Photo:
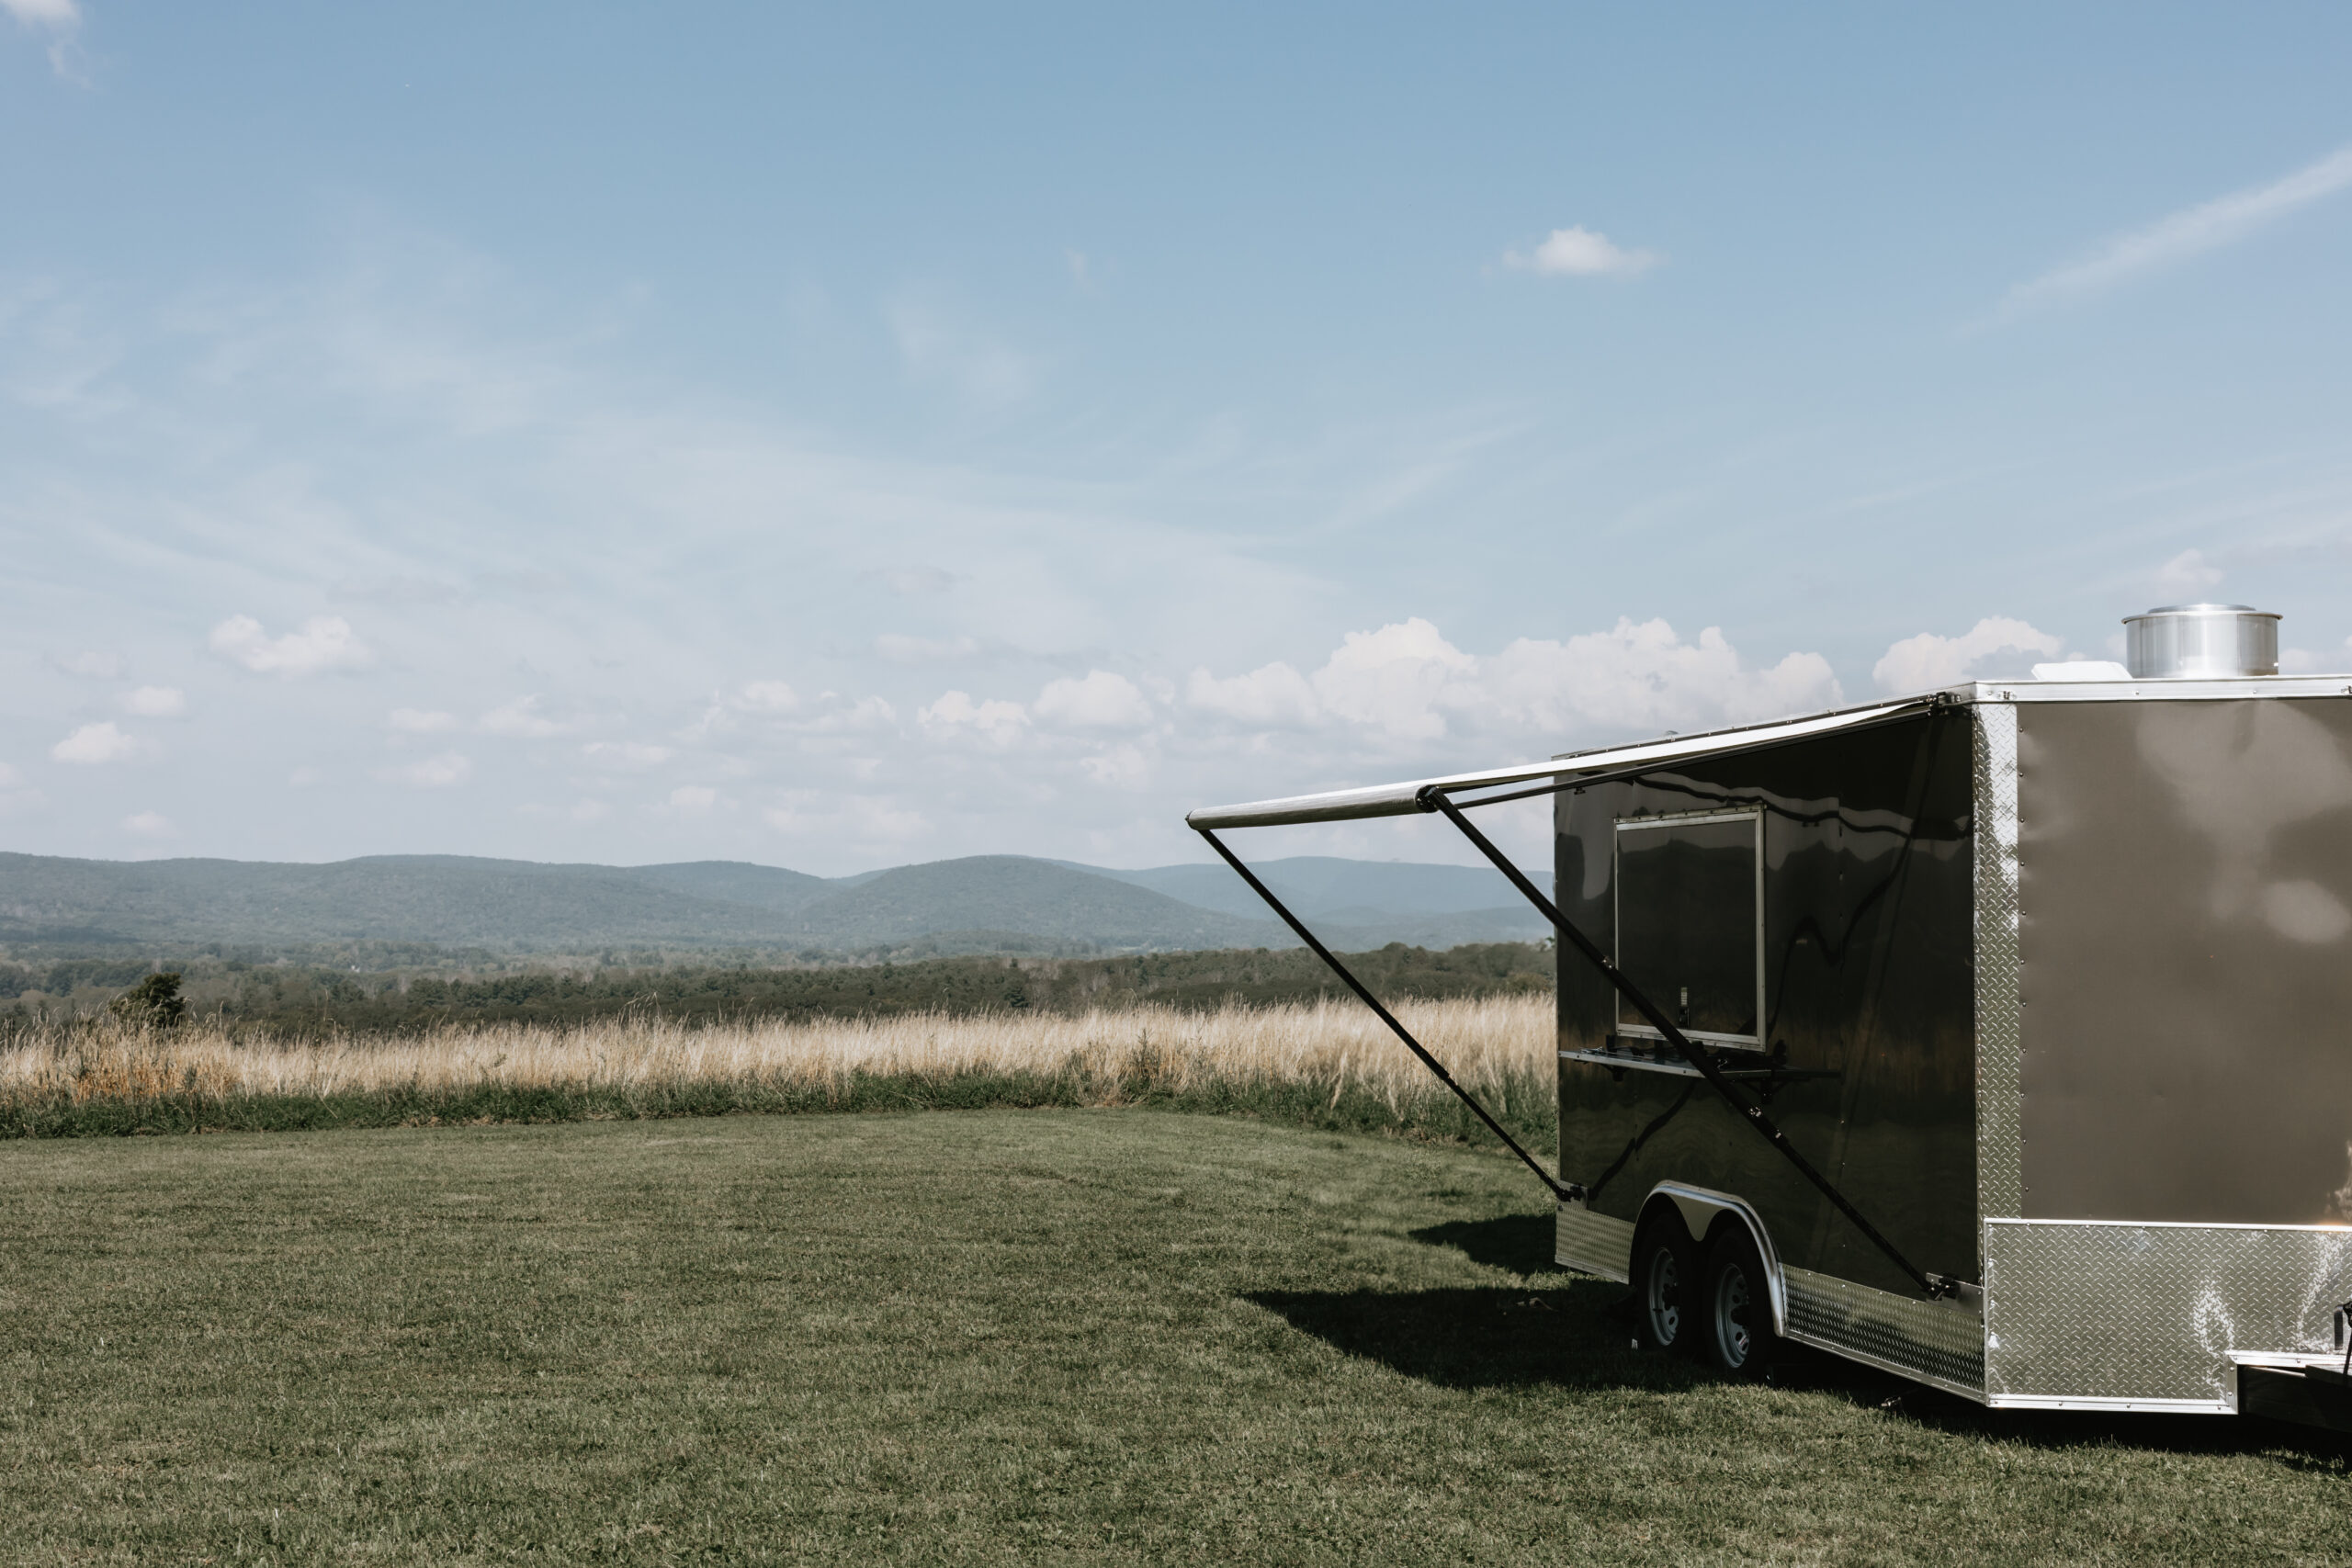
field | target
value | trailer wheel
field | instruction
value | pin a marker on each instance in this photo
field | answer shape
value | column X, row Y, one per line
column 1665, row 1286
column 1739, row 1339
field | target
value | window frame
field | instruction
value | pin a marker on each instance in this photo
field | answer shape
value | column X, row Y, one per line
column 1638, row 1030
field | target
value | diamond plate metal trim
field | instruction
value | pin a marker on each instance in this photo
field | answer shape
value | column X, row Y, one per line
column 1936, row 1342
column 1999, row 1184
column 1592, row 1243
column 2083, row 1310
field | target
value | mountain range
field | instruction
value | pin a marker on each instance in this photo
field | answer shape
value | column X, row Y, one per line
column 979, row 904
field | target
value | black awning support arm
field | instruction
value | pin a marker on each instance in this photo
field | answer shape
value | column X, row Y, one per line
column 1563, row 1190
column 1435, row 799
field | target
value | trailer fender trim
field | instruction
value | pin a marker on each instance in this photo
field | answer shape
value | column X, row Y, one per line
column 1700, row 1209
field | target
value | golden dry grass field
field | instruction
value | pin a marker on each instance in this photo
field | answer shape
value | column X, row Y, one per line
column 1337, row 1053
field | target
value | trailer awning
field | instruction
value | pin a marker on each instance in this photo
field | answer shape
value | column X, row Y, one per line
column 1403, row 799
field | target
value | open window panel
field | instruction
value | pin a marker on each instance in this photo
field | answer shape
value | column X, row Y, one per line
column 1689, row 895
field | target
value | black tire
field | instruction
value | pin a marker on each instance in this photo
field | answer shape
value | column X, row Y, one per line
column 1734, row 1329
column 1664, row 1277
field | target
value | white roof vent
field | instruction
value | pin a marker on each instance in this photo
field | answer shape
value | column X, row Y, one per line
column 2201, row 642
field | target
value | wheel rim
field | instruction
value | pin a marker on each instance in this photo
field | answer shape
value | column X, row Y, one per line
column 1665, row 1296
column 1732, row 1305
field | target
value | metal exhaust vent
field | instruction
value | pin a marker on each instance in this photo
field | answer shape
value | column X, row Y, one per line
column 2201, row 642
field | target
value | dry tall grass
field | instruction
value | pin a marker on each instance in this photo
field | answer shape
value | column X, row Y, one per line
column 1495, row 1046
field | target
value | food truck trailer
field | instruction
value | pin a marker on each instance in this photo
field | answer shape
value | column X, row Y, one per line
column 1999, row 1037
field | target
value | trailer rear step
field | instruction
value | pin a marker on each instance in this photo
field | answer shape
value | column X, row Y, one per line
column 2308, row 1391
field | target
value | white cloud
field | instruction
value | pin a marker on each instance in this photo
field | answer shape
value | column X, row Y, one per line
column 1581, row 252
column 59, row 19
column 956, row 713
column 1640, row 676
column 765, row 696
column 2190, row 231
column 57, row 16
column 421, row 721
column 522, row 719
column 2186, row 575
column 1121, row 767
column 97, row 743
column 1924, row 662
column 908, row 580
column 1405, row 687
column 901, row 649
column 693, row 799
column 149, row 824
column 304, row 777
column 1391, row 680
column 858, row 820
column 589, row 811
column 625, row 755
column 867, row 716
column 324, row 642
column 155, row 702
column 938, row 349
column 1099, row 701
column 89, row 666
column 1273, row 696
column 441, row 771
column 9, row 777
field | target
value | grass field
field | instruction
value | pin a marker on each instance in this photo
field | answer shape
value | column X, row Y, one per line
column 1082, row 1336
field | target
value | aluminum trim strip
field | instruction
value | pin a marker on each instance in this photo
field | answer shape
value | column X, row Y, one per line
column 2141, row 1406
column 2236, row 689
column 1403, row 799
column 1672, row 1069
column 1999, row 1179
column 2182, row 1225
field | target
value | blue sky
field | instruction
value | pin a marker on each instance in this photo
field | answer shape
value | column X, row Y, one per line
column 837, row 438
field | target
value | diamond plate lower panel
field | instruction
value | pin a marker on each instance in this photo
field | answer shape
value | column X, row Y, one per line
column 2000, row 1188
column 2107, row 1312
column 1593, row 1243
column 1936, row 1342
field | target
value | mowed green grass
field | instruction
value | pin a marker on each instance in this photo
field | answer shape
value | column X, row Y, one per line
column 983, row 1336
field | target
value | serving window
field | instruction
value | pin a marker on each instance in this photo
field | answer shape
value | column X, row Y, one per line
column 1689, row 893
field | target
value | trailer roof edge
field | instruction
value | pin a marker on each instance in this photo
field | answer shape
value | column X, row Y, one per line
column 1402, row 799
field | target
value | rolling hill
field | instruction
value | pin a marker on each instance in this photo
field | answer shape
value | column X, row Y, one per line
column 984, row 903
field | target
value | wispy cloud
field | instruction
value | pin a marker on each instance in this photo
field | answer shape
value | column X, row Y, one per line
column 325, row 642
column 60, row 19
column 2188, row 574
column 95, row 743
column 2191, row 231
column 1581, row 252
column 155, row 702
column 443, row 771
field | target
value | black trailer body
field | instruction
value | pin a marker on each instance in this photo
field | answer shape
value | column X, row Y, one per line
column 2055, row 985
column 2051, row 982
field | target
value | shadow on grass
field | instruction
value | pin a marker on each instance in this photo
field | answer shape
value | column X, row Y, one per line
column 1804, row 1368
column 1576, row 1335
column 1571, row 1336
column 1521, row 1243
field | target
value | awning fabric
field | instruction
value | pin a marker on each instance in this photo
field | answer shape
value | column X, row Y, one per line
column 1401, row 799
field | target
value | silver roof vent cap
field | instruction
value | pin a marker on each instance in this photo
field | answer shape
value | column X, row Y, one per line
column 2200, row 642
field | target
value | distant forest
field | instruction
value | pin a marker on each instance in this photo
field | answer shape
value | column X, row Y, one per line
column 307, row 1001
